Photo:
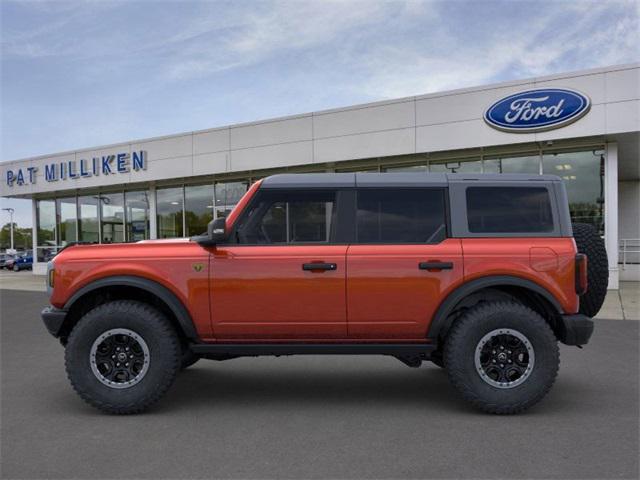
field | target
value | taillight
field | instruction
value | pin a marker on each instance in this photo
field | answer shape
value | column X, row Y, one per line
column 581, row 274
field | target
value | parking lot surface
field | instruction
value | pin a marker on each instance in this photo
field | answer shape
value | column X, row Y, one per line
column 316, row 417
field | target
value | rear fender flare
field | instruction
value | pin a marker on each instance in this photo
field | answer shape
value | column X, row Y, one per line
column 442, row 321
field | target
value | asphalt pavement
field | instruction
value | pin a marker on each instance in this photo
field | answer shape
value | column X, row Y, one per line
column 315, row 417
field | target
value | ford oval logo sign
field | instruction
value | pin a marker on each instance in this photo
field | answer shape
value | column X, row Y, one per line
column 537, row 110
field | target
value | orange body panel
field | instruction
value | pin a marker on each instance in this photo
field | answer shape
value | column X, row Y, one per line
column 168, row 262
column 388, row 296
column 262, row 293
column 548, row 262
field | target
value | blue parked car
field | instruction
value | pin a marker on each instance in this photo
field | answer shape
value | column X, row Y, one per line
column 21, row 262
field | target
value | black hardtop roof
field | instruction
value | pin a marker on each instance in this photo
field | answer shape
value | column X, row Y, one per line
column 404, row 179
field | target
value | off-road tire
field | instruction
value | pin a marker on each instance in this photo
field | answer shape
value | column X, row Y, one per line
column 464, row 337
column 589, row 242
column 16, row 268
column 164, row 356
column 188, row 358
column 437, row 358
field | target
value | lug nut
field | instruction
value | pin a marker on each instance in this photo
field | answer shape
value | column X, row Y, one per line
column 113, row 356
column 117, row 364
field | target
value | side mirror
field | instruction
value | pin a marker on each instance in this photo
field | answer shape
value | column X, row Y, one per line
column 217, row 230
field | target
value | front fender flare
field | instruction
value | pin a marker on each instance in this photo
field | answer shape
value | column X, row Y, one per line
column 163, row 293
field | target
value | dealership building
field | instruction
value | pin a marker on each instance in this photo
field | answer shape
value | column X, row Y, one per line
column 582, row 126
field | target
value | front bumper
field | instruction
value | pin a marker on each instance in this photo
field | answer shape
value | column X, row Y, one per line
column 575, row 329
column 53, row 319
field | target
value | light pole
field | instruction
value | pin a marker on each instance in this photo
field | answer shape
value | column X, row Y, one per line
column 10, row 210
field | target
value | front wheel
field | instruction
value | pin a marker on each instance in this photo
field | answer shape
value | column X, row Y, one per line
column 16, row 268
column 502, row 356
column 122, row 356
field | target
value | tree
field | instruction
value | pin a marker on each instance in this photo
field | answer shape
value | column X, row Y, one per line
column 22, row 237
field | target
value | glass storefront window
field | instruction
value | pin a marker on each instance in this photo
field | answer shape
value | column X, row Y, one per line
column 88, row 220
column 112, row 217
column 407, row 168
column 456, row 166
column 137, row 216
column 67, row 220
column 198, row 208
column 525, row 164
column 46, row 230
column 583, row 175
column 227, row 195
column 169, row 205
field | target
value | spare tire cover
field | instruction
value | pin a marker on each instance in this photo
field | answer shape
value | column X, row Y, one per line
column 589, row 242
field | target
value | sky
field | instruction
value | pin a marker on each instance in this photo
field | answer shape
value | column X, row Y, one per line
column 88, row 73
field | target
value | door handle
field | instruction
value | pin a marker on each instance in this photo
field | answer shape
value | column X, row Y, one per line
column 435, row 265
column 319, row 266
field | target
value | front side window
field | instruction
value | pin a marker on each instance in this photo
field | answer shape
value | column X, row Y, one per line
column 401, row 216
column 289, row 218
column 509, row 210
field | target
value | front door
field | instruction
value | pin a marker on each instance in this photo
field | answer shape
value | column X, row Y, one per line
column 401, row 264
column 282, row 276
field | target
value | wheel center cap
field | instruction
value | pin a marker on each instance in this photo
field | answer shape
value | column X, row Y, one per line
column 122, row 357
column 502, row 356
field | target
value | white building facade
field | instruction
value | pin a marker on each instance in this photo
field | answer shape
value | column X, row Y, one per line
column 172, row 186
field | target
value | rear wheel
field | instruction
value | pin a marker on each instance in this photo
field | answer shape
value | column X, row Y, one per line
column 16, row 268
column 502, row 357
column 122, row 356
column 589, row 242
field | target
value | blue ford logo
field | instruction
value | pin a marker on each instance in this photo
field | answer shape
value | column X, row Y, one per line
column 537, row 110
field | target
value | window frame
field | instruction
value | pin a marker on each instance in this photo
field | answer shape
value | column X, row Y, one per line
column 337, row 233
column 460, row 221
column 447, row 217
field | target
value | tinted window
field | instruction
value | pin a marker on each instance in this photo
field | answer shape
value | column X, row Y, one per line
column 509, row 210
column 401, row 216
column 289, row 217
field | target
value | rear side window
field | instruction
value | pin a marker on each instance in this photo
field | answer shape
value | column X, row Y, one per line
column 509, row 210
column 401, row 216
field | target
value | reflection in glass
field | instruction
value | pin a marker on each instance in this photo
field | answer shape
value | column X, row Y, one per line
column 112, row 217
column 67, row 221
column 407, row 168
column 88, row 220
column 137, row 215
column 456, row 166
column 46, row 229
column 583, row 174
column 526, row 164
column 198, row 208
column 227, row 195
column 169, row 207
column 46, row 222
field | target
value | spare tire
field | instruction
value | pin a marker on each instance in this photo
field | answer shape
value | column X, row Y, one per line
column 589, row 242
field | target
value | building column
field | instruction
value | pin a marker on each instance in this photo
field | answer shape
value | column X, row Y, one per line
column 34, row 236
column 611, row 212
column 153, row 225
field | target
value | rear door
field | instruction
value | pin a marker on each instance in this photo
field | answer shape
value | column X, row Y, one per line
column 402, row 263
column 284, row 276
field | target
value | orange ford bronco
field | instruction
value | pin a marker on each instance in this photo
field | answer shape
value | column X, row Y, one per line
column 481, row 274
